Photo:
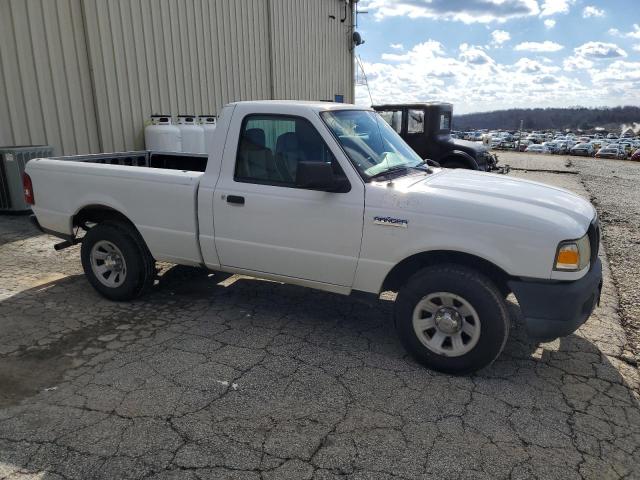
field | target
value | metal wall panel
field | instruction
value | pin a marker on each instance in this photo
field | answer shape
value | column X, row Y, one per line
column 311, row 41
column 45, row 87
column 85, row 75
column 164, row 56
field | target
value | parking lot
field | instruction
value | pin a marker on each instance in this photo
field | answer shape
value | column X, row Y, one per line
column 217, row 377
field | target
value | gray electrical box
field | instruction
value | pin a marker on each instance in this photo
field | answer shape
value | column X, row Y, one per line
column 12, row 163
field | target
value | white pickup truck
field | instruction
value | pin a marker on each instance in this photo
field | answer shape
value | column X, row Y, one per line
column 328, row 196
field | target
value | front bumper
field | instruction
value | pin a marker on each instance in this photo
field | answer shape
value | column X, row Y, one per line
column 553, row 310
column 492, row 165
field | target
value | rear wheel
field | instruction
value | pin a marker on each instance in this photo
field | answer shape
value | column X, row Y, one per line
column 116, row 261
column 452, row 319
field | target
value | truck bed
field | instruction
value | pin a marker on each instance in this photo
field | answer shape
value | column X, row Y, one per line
column 156, row 191
column 191, row 162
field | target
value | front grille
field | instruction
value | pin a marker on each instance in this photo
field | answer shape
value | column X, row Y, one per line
column 594, row 239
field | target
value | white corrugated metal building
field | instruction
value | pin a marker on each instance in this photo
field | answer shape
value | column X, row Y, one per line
column 84, row 75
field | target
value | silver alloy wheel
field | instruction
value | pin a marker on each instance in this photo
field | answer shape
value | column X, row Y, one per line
column 108, row 264
column 446, row 324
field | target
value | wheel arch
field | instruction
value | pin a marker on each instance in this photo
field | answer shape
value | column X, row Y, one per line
column 99, row 213
column 460, row 156
column 406, row 268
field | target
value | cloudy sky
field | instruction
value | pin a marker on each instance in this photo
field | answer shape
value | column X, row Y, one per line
column 491, row 54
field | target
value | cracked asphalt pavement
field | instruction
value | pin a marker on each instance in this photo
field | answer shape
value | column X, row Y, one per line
column 216, row 377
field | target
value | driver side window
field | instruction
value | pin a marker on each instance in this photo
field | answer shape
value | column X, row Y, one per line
column 271, row 146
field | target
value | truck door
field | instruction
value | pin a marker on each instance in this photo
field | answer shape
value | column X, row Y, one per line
column 264, row 223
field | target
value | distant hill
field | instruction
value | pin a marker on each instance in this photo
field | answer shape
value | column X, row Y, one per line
column 549, row 118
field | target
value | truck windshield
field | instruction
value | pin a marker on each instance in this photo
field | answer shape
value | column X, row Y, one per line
column 371, row 144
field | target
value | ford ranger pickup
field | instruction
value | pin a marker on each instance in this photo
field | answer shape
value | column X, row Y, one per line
column 328, row 196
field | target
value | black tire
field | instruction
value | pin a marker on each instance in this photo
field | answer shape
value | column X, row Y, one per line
column 140, row 265
column 476, row 289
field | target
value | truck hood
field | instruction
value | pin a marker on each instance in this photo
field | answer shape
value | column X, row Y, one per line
column 493, row 199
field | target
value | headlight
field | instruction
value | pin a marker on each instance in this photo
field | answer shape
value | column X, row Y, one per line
column 573, row 255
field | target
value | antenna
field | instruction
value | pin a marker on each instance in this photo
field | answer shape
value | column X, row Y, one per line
column 361, row 77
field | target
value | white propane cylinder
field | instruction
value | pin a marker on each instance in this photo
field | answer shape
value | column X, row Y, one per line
column 161, row 135
column 209, row 126
column 192, row 134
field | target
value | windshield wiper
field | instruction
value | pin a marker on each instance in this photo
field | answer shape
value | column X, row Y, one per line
column 405, row 169
column 388, row 172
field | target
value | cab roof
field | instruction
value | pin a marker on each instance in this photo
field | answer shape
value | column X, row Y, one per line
column 387, row 106
column 305, row 104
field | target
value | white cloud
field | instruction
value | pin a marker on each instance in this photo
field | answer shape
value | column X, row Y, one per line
column 466, row 11
column 599, row 50
column 553, row 7
column 619, row 71
column 635, row 33
column 474, row 55
column 546, row 46
column 591, row 11
column 527, row 65
column 425, row 50
column 474, row 78
column 576, row 63
column 500, row 36
column 474, row 81
column 546, row 79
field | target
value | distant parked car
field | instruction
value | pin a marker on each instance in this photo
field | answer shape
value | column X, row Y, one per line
column 611, row 152
column 583, row 149
column 552, row 146
column 611, row 136
column 523, row 144
column 537, row 149
column 636, row 156
column 503, row 145
column 563, row 147
column 627, row 145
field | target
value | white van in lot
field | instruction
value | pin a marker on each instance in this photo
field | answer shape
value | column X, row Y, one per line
column 328, row 196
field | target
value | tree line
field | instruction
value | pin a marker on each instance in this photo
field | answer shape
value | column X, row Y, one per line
column 549, row 118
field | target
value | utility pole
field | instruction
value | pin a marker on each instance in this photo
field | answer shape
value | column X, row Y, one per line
column 520, row 134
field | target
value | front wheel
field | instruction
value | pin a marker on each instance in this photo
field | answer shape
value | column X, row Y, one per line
column 452, row 319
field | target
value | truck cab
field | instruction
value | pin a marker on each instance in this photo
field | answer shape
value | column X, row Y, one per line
column 426, row 127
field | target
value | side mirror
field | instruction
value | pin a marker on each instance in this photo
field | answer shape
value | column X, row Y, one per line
column 319, row 176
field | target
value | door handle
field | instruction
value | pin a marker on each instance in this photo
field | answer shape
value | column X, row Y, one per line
column 238, row 200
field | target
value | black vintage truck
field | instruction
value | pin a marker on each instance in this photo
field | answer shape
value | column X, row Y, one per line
column 426, row 127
